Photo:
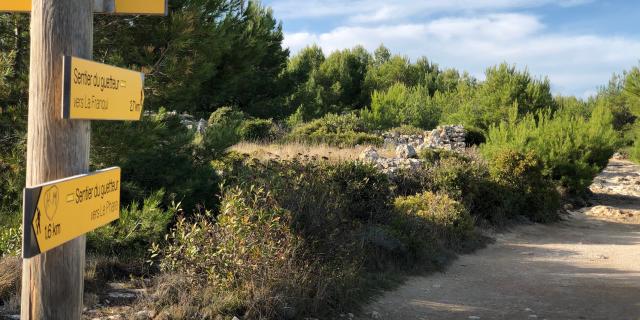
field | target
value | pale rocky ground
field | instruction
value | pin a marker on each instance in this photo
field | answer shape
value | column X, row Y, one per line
column 585, row 267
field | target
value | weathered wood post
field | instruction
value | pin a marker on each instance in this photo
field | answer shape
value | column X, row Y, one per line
column 52, row 283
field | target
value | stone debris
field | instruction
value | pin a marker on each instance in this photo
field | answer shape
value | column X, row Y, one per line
column 406, row 151
column 443, row 137
column 447, row 137
column 369, row 154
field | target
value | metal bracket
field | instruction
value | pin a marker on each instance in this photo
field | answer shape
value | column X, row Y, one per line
column 104, row 6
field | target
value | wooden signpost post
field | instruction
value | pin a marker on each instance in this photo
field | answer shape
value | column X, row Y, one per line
column 62, row 201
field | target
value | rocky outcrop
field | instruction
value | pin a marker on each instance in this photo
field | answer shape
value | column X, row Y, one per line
column 391, row 166
column 406, row 151
column 443, row 137
column 447, row 137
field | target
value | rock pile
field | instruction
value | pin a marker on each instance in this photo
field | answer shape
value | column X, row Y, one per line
column 443, row 137
column 447, row 137
column 391, row 166
column 408, row 146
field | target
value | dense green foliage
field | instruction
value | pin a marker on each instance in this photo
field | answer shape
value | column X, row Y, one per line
column 400, row 105
column 346, row 130
column 315, row 231
column 573, row 149
column 206, row 54
column 155, row 153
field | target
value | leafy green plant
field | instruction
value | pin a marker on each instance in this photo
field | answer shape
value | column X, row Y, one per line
column 10, row 241
column 137, row 228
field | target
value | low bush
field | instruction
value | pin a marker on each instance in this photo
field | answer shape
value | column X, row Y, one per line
column 406, row 130
column 138, row 227
column 524, row 188
column 10, row 271
column 301, row 238
column 256, row 130
column 512, row 184
column 336, row 130
column 10, row 241
column 254, row 261
column 223, row 132
column 429, row 217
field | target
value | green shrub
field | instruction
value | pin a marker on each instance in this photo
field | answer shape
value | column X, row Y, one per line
column 138, row 227
column 430, row 216
column 342, row 131
column 363, row 191
column 331, row 123
column 10, row 241
column 223, row 132
column 13, row 130
column 407, row 130
column 525, row 190
column 402, row 105
column 573, row 150
column 155, row 153
column 256, row 130
column 433, row 155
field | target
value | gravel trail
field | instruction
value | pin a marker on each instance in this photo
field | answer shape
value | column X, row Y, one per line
column 585, row 267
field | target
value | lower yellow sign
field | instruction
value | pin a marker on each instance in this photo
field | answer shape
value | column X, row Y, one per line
column 62, row 210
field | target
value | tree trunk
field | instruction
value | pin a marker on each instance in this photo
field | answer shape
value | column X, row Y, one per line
column 53, row 282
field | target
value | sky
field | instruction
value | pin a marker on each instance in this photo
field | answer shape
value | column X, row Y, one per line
column 577, row 44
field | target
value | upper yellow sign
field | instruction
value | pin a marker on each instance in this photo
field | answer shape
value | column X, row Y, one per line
column 96, row 91
column 146, row 7
column 15, row 5
column 62, row 210
column 150, row 7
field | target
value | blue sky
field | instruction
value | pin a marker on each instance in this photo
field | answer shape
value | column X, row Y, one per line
column 578, row 44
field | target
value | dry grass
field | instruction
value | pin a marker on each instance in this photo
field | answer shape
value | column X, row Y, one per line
column 10, row 273
column 296, row 150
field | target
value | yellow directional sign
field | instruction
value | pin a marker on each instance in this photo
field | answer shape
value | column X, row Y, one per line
column 62, row 210
column 15, row 5
column 96, row 91
column 132, row 7
column 147, row 7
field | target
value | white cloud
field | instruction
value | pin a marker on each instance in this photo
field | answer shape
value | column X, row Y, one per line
column 575, row 64
column 379, row 10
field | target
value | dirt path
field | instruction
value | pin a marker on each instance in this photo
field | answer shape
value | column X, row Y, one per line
column 586, row 267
